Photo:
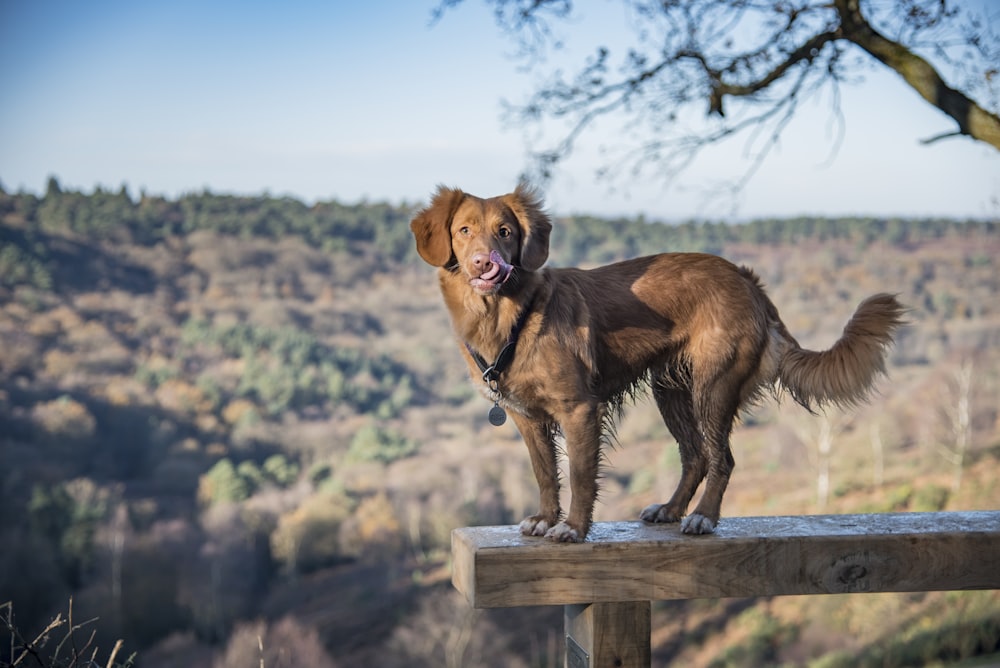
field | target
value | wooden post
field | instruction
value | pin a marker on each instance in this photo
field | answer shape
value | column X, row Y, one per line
column 607, row 582
column 608, row 635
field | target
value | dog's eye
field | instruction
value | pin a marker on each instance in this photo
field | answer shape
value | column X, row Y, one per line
column 464, row 230
column 504, row 232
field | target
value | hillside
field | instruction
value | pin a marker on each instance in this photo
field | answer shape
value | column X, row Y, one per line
column 229, row 417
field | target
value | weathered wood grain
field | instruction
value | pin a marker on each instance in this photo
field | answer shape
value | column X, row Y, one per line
column 750, row 556
column 608, row 635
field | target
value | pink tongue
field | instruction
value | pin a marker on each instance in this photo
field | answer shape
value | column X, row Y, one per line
column 492, row 273
column 499, row 267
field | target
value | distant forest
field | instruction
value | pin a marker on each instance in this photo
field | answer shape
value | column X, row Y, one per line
column 384, row 228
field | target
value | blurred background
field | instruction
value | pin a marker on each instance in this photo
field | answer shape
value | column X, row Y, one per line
column 234, row 424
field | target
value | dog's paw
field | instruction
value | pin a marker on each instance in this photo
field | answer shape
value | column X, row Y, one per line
column 564, row 533
column 698, row 524
column 536, row 525
column 659, row 513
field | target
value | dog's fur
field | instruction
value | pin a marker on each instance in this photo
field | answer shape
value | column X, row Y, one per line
column 698, row 330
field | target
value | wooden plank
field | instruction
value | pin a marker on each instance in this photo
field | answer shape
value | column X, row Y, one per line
column 608, row 635
column 748, row 556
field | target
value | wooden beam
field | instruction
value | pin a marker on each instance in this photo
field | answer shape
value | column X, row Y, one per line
column 746, row 556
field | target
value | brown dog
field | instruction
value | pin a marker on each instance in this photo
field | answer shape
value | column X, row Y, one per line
column 571, row 345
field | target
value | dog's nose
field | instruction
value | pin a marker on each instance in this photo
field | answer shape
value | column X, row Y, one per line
column 481, row 261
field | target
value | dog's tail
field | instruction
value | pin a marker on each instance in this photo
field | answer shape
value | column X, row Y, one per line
column 844, row 374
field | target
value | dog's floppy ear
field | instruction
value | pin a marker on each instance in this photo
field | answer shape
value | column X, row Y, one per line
column 526, row 204
column 432, row 226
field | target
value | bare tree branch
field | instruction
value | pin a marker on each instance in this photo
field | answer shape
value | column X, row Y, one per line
column 805, row 53
column 751, row 62
column 973, row 120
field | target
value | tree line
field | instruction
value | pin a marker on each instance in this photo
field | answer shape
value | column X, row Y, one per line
column 381, row 230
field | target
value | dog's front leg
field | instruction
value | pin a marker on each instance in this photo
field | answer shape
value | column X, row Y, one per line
column 537, row 435
column 582, row 429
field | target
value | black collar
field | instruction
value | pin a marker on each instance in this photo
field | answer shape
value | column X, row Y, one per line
column 491, row 372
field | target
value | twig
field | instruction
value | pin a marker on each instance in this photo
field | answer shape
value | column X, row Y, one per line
column 114, row 653
column 945, row 135
column 71, row 636
column 30, row 647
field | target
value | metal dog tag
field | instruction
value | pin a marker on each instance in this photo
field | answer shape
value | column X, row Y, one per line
column 497, row 415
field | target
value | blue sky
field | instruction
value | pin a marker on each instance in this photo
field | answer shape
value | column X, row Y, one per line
column 368, row 100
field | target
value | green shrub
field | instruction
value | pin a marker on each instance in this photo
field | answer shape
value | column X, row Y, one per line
column 279, row 470
column 371, row 443
column 223, row 483
column 19, row 267
column 286, row 369
column 929, row 498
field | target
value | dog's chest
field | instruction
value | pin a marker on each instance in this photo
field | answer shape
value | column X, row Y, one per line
column 507, row 398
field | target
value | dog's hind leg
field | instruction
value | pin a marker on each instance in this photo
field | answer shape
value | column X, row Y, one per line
column 716, row 407
column 677, row 410
column 538, row 436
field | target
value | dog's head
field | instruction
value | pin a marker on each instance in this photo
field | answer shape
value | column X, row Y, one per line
column 485, row 239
